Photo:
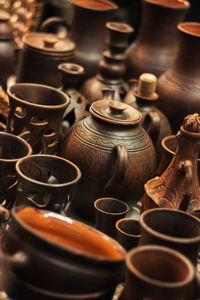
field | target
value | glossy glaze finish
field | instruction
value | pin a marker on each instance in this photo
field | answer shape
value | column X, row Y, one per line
column 114, row 153
column 178, row 87
column 51, row 269
column 178, row 185
column 155, row 272
column 36, row 113
column 171, row 228
column 155, row 47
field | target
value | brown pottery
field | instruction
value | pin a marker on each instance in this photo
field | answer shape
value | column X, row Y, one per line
column 77, row 110
column 36, row 113
column 46, row 181
column 7, row 49
column 144, row 98
column 112, row 66
column 155, row 272
column 12, row 148
column 87, row 31
column 178, row 87
column 114, row 153
column 156, row 44
column 40, row 56
column 178, row 186
column 107, row 212
column 60, row 258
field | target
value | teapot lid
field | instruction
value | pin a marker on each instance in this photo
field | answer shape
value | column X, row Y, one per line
column 115, row 112
column 48, row 42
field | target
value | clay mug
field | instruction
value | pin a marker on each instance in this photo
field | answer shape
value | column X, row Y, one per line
column 12, row 148
column 155, row 272
column 46, row 182
column 107, row 212
column 36, row 113
column 128, row 232
column 172, row 228
column 59, row 258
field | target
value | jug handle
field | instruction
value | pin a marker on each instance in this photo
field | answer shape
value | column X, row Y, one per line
column 119, row 168
column 152, row 119
column 19, row 259
column 46, row 24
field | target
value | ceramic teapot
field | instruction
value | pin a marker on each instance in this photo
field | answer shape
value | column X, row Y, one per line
column 113, row 151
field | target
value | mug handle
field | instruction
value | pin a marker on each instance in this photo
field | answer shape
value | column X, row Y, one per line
column 53, row 21
column 119, row 168
column 152, row 125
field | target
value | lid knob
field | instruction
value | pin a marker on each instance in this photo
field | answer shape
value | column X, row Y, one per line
column 147, row 85
column 49, row 42
column 117, row 106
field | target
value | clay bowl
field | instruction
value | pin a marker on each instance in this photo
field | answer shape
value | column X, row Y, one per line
column 60, row 258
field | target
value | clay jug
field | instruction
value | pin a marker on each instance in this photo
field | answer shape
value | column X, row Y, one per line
column 156, row 45
column 115, row 154
column 178, row 87
column 87, row 31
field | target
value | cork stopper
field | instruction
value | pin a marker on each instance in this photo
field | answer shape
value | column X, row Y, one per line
column 147, row 85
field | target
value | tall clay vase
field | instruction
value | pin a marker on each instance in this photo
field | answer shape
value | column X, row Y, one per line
column 156, row 45
column 179, row 87
column 88, row 31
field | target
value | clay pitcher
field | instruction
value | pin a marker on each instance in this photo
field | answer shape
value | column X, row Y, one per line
column 178, row 87
column 156, row 45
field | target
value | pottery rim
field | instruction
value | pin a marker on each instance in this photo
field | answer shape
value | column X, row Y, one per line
column 175, row 4
column 190, row 28
column 102, row 5
column 117, row 224
column 117, row 201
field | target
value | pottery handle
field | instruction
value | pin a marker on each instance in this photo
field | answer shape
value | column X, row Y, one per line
column 51, row 22
column 16, row 260
column 152, row 125
column 119, row 168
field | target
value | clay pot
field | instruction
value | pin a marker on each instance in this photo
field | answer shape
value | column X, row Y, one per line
column 128, row 232
column 178, row 87
column 156, row 44
column 171, row 228
column 89, row 17
column 107, row 212
column 40, row 56
column 71, row 75
column 46, row 181
column 57, row 253
column 155, row 272
column 7, row 49
column 113, row 152
column 12, row 148
column 36, row 113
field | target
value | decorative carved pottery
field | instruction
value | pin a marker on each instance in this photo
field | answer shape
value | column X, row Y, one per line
column 156, row 44
column 12, row 148
column 7, row 49
column 128, row 232
column 46, row 181
column 90, row 16
column 178, row 87
column 171, row 228
column 144, row 98
column 155, row 272
column 112, row 66
column 71, row 74
column 57, row 255
column 36, row 113
column 107, row 212
column 40, row 56
column 178, row 186
column 115, row 154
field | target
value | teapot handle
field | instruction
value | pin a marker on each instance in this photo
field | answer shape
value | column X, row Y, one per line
column 48, row 23
column 119, row 168
column 152, row 124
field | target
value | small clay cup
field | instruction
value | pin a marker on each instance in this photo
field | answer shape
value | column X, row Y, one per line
column 46, row 182
column 128, row 232
column 155, row 272
column 107, row 212
column 12, row 148
column 172, row 228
